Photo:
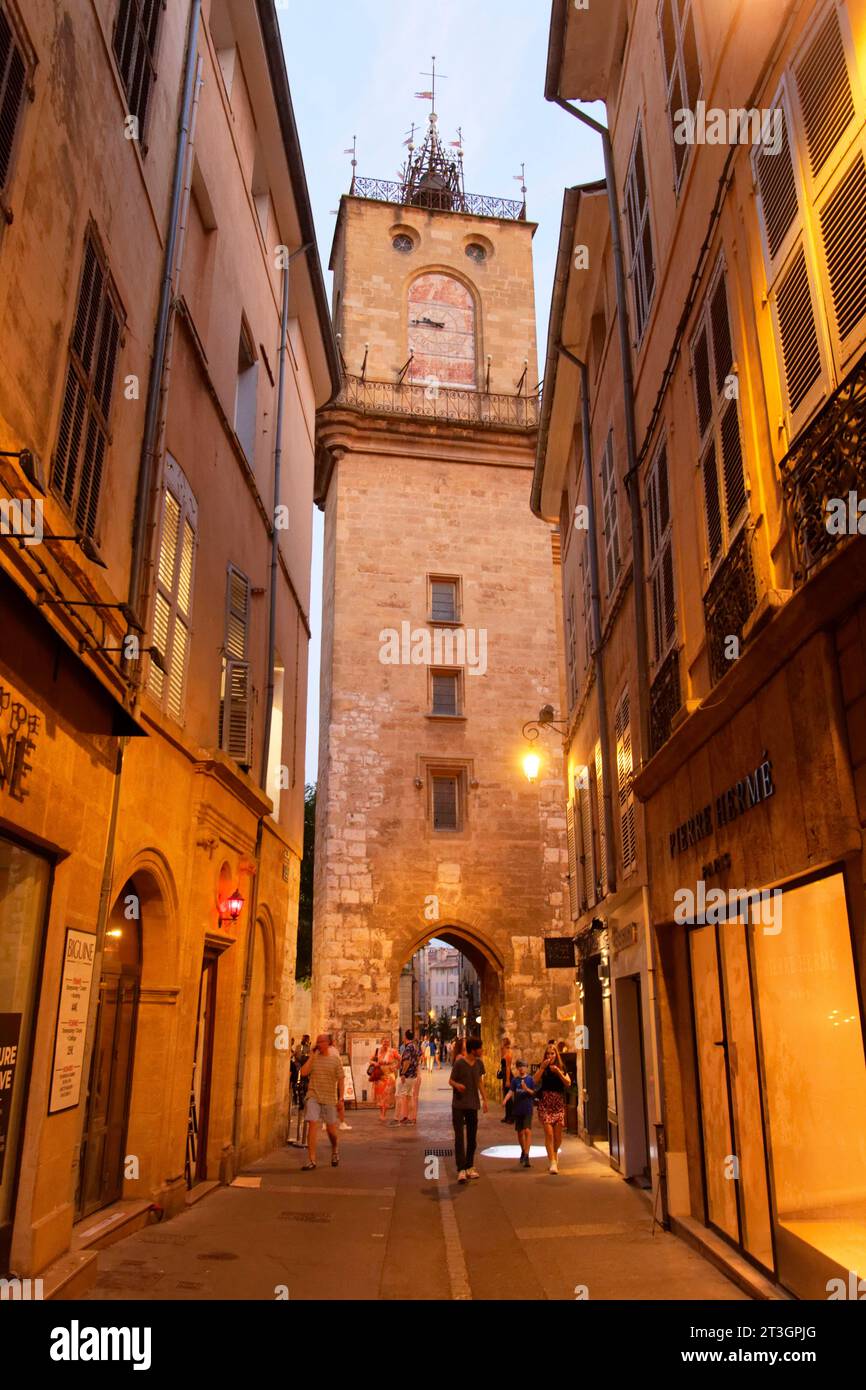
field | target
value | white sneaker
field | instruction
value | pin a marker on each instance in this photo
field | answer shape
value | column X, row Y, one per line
column 462, row 1175
column 345, row 1126
column 554, row 1168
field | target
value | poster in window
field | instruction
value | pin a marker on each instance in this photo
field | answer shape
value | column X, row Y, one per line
column 10, row 1031
column 78, row 955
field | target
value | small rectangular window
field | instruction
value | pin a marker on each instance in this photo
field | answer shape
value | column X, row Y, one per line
column 135, row 33
column 444, row 601
column 445, row 798
column 445, row 692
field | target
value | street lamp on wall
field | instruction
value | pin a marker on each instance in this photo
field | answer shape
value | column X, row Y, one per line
column 230, row 908
column 531, row 730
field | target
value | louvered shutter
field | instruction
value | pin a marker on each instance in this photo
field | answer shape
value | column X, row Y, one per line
column 824, row 89
column 135, row 35
column 610, row 514
column 236, row 709
column 172, row 615
column 573, row 887
column 624, row 769
column 13, row 79
column 237, row 731
column 798, row 337
column 598, row 808
column 777, row 190
column 661, row 556
column 722, row 465
column 587, row 855
column 843, row 219
column 82, row 437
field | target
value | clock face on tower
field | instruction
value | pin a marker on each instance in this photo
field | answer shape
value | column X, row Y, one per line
column 442, row 331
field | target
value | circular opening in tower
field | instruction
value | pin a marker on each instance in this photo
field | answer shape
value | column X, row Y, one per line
column 476, row 252
column 403, row 243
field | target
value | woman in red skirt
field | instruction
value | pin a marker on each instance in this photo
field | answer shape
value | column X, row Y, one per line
column 551, row 1083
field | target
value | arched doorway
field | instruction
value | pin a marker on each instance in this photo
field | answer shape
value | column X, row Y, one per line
column 474, row 967
column 104, row 1140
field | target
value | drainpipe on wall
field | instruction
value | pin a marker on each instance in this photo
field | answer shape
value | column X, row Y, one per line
column 598, row 650
column 632, row 476
column 142, row 523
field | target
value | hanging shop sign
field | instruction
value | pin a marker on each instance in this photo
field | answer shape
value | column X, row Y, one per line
column 749, row 792
column 18, row 727
column 559, row 952
column 79, row 952
column 10, row 1031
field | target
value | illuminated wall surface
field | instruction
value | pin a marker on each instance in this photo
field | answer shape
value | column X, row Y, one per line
column 815, row 1078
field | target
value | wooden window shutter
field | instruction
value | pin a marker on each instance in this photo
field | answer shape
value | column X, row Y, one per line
column 172, row 614
column 587, row 605
column 587, row 855
column 798, row 336
column 13, row 83
column 610, row 514
column 135, row 33
column 624, row 769
column 777, row 190
column 237, row 725
column 722, row 464
column 598, row 797
column 712, row 505
column 236, row 707
column 661, row 570
column 843, row 219
column 824, row 89
column 703, row 389
column 82, row 437
column 573, row 886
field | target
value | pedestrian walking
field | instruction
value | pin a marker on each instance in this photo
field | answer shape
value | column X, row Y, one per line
column 381, row 1072
column 465, row 1082
column 551, row 1083
column 521, row 1092
column 324, row 1072
column 504, row 1075
column 430, row 1055
column 408, row 1081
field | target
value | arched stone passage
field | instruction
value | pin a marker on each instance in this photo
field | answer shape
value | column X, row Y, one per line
column 490, row 968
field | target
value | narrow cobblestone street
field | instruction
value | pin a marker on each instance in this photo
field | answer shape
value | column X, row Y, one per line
column 377, row 1228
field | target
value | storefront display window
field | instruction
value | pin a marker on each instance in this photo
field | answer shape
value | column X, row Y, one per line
column 24, row 886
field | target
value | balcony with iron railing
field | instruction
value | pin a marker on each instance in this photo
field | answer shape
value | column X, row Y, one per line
column 827, row 463
column 435, row 199
column 729, row 602
column 665, row 700
column 433, row 402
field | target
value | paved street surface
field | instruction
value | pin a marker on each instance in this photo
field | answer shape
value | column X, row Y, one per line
column 377, row 1227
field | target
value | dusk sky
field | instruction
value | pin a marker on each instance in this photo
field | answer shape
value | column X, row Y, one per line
column 492, row 87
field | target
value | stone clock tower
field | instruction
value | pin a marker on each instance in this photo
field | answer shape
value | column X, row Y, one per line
column 439, row 632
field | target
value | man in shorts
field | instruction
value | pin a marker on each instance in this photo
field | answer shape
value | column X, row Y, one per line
column 324, row 1072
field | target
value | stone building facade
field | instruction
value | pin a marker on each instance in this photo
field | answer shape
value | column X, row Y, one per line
column 439, row 637
column 152, row 712
column 742, row 367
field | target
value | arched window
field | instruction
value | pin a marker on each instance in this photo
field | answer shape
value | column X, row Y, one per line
column 442, row 331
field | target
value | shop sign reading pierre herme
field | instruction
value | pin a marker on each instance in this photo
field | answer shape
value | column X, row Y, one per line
column 750, row 791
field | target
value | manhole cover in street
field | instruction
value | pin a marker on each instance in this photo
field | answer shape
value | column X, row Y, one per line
column 217, row 1255
column 321, row 1216
column 439, row 1153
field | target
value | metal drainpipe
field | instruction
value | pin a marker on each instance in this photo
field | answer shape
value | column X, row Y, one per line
column 631, row 477
column 141, row 529
column 598, row 651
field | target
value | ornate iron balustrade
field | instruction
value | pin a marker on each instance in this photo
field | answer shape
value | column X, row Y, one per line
column 729, row 601
column 827, row 461
column 438, row 403
column 665, row 700
column 439, row 199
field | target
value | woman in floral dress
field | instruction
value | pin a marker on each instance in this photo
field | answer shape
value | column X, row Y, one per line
column 387, row 1058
